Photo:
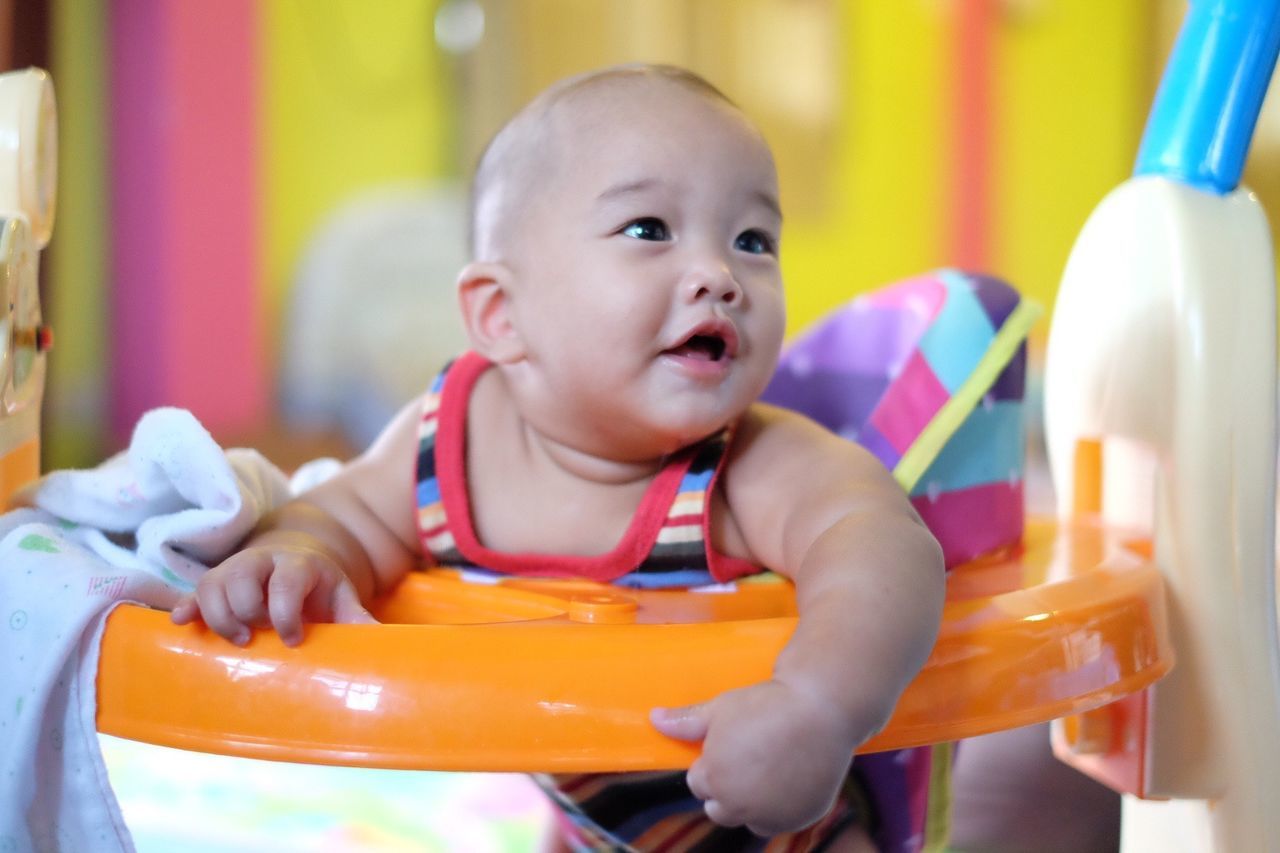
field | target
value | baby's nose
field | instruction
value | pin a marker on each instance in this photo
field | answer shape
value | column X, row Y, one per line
column 714, row 282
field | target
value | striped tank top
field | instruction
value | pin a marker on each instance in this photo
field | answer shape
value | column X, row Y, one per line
column 666, row 545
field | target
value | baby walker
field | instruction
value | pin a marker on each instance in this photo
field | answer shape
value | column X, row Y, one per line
column 1069, row 622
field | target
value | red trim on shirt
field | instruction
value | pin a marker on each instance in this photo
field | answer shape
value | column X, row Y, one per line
column 626, row 556
column 723, row 568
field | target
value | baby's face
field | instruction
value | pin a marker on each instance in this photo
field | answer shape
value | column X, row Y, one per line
column 649, row 290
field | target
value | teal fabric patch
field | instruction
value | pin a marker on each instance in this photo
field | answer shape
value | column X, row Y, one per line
column 987, row 448
column 958, row 338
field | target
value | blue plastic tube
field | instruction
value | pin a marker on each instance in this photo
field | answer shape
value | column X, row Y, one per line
column 1208, row 102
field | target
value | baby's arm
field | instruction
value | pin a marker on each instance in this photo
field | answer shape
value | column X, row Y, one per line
column 320, row 556
column 869, row 586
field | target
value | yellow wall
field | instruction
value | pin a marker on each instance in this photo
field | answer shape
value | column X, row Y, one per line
column 855, row 94
column 866, row 164
column 848, row 93
column 1071, row 98
column 76, row 259
column 354, row 96
column 1071, row 86
column 887, row 216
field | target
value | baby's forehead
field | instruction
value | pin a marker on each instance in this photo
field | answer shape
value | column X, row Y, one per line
column 594, row 124
column 635, row 129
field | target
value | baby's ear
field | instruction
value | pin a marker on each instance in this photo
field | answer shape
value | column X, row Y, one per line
column 485, row 299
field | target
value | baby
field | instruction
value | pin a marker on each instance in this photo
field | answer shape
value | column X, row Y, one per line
column 625, row 310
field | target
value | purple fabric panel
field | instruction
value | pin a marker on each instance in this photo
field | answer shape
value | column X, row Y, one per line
column 972, row 522
column 898, row 783
column 859, row 338
column 839, row 401
column 873, row 440
column 922, row 296
column 1011, row 384
column 997, row 298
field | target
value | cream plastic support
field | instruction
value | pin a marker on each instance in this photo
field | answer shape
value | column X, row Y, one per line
column 1163, row 348
column 28, row 180
column 1164, row 335
column 29, row 149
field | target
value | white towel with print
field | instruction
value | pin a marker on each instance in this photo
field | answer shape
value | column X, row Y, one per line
column 141, row 527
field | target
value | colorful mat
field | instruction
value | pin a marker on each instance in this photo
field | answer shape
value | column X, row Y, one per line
column 199, row 803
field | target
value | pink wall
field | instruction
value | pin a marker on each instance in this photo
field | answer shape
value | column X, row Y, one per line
column 970, row 216
column 187, row 326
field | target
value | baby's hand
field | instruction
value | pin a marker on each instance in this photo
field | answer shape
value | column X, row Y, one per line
column 278, row 586
column 773, row 757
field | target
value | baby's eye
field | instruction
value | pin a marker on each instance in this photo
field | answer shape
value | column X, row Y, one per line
column 648, row 228
column 755, row 242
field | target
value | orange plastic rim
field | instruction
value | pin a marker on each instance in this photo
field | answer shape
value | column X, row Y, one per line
column 560, row 676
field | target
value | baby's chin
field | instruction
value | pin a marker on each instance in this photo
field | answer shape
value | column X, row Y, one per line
column 676, row 437
column 656, row 442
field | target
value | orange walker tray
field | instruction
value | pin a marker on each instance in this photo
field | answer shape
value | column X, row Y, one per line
column 560, row 675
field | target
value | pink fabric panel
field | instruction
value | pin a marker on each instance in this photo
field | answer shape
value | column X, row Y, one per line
column 909, row 403
column 971, row 522
column 922, row 296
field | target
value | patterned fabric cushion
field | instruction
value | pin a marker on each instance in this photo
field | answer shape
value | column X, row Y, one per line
column 928, row 374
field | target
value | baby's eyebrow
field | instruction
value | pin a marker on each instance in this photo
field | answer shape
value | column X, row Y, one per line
column 770, row 201
column 628, row 188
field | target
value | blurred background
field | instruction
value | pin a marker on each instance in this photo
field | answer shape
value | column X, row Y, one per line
column 261, row 201
column 262, row 209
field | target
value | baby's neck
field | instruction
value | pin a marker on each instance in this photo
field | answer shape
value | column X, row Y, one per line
column 548, row 444
column 548, row 453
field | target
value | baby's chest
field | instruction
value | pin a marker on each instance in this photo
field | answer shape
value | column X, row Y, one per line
column 517, row 514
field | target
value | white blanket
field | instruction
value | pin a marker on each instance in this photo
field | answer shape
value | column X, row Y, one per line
column 141, row 528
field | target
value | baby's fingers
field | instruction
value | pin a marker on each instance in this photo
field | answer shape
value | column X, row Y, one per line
column 700, row 786
column 217, row 613
column 347, row 607
column 687, row 723
column 184, row 611
column 697, row 781
column 245, row 595
column 292, row 582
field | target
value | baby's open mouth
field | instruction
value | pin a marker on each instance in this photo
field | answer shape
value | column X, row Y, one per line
column 710, row 342
column 701, row 347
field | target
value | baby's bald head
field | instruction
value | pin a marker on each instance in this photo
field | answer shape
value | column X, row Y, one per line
column 526, row 154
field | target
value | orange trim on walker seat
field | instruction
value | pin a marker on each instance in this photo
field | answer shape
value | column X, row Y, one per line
column 19, row 467
column 559, row 676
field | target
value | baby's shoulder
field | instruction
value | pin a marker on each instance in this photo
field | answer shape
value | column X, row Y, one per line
column 772, row 429
column 775, row 444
